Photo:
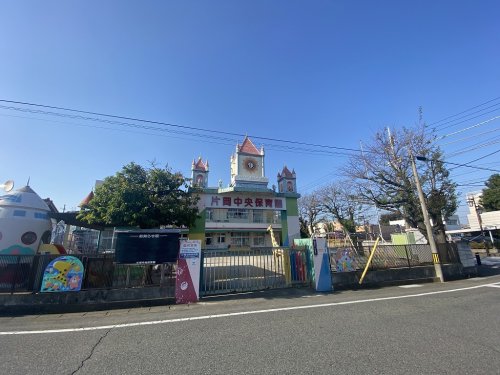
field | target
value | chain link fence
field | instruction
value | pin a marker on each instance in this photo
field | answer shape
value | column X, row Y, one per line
column 348, row 259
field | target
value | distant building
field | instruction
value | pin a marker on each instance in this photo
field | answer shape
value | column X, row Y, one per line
column 489, row 219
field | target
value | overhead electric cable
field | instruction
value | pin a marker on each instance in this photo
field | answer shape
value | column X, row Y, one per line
column 467, row 165
column 474, row 147
column 175, row 125
column 453, row 123
column 151, row 129
column 471, row 136
column 477, row 106
column 469, row 127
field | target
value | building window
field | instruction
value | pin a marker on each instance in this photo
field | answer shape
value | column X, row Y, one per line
column 277, row 217
column 208, row 240
column 258, row 216
column 259, row 239
column 237, row 213
column 220, row 238
column 209, row 215
column 240, row 239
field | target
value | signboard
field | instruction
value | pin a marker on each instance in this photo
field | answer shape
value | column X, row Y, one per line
column 187, row 283
column 63, row 274
column 147, row 246
column 244, row 201
column 321, row 260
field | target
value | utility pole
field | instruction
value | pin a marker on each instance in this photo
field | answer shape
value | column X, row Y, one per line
column 428, row 227
column 472, row 203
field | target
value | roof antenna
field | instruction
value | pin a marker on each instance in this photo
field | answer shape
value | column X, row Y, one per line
column 28, row 183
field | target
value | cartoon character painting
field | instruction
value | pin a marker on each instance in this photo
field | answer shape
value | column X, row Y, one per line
column 24, row 222
column 63, row 274
column 345, row 260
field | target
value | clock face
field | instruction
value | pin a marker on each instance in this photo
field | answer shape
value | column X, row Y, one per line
column 250, row 164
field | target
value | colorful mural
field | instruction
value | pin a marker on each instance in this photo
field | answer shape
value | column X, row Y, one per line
column 344, row 259
column 24, row 222
column 63, row 274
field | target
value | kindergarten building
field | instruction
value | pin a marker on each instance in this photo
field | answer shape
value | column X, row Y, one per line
column 244, row 214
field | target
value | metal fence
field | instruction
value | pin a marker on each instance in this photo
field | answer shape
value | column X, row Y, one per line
column 24, row 273
column 347, row 259
column 225, row 271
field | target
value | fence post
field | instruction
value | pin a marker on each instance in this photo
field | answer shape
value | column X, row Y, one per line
column 202, row 273
column 33, row 273
column 127, row 277
column 13, row 287
column 407, row 257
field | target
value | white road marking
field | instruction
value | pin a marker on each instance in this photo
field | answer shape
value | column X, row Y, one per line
column 205, row 317
column 493, row 285
column 411, row 286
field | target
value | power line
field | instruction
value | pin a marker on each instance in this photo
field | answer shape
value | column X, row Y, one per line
column 453, row 123
column 469, row 127
column 467, row 110
column 467, row 165
column 223, row 141
column 471, row 136
column 485, row 156
column 168, row 124
column 474, row 147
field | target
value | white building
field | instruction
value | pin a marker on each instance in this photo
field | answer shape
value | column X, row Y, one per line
column 489, row 220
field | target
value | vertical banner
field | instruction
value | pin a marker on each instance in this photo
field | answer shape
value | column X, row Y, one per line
column 187, row 283
column 321, row 260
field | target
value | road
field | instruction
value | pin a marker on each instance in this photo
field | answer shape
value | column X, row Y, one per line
column 451, row 328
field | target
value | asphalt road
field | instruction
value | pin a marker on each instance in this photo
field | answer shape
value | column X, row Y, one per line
column 451, row 328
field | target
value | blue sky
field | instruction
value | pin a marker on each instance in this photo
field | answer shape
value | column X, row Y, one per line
column 322, row 72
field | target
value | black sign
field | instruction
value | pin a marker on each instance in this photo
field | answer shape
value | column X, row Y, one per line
column 147, row 247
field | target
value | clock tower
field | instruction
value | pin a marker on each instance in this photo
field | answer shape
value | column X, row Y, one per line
column 247, row 166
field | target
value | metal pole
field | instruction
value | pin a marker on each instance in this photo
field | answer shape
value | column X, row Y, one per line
column 480, row 221
column 369, row 261
column 428, row 227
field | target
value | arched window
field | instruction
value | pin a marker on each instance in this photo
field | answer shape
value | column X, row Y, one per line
column 199, row 180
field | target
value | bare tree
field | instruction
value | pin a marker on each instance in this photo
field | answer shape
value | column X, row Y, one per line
column 382, row 175
column 340, row 202
column 310, row 211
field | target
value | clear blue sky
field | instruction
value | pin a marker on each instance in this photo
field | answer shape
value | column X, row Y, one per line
column 327, row 72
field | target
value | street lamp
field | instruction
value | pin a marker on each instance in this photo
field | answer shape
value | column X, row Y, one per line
column 471, row 201
column 427, row 222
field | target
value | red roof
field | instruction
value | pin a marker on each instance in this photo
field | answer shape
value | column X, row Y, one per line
column 248, row 147
column 200, row 166
column 286, row 173
column 87, row 199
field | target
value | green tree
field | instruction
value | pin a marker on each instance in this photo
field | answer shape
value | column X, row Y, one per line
column 382, row 175
column 490, row 199
column 142, row 197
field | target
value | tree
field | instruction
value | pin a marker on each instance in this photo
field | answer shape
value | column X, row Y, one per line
column 490, row 199
column 382, row 175
column 142, row 197
column 309, row 212
column 339, row 202
column 386, row 218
